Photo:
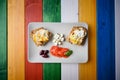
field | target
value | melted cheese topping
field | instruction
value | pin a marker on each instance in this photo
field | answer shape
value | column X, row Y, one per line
column 77, row 36
column 41, row 35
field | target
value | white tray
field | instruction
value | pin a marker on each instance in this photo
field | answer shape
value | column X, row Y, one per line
column 80, row 53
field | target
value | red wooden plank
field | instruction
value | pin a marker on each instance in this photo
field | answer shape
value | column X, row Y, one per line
column 33, row 13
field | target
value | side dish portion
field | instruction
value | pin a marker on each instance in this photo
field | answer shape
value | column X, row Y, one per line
column 60, row 52
column 58, row 39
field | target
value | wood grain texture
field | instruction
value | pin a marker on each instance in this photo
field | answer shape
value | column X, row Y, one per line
column 51, row 13
column 16, row 40
column 87, row 13
column 33, row 13
column 117, row 38
column 69, row 14
column 3, row 40
column 105, row 40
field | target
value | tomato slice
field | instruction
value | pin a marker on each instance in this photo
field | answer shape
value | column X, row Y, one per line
column 54, row 50
column 58, row 51
column 59, row 54
column 64, row 50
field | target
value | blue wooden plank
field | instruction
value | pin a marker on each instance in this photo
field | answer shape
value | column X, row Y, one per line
column 105, row 40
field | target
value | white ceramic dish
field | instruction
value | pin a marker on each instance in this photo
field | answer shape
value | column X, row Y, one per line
column 80, row 53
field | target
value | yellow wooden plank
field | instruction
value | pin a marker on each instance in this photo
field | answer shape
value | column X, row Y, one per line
column 16, row 40
column 87, row 13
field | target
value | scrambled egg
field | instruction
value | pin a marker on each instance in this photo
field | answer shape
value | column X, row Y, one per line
column 76, row 37
column 41, row 35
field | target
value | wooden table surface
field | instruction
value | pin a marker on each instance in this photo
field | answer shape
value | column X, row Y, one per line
column 102, row 17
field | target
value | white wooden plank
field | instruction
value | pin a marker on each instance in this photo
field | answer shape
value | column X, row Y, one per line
column 117, row 38
column 69, row 13
column 69, row 10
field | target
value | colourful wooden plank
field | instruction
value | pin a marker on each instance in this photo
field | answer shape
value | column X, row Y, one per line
column 16, row 40
column 117, row 38
column 105, row 40
column 87, row 13
column 33, row 13
column 69, row 14
column 3, row 40
column 51, row 13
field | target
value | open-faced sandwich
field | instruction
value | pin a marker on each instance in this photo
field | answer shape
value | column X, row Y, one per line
column 40, row 36
column 77, row 35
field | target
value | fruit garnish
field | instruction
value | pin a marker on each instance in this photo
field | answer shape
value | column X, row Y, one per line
column 44, row 53
column 45, row 56
column 41, row 52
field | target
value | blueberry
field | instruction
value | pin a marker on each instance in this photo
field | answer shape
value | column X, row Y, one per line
column 46, row 51
column 45, row 56
column 41, row 52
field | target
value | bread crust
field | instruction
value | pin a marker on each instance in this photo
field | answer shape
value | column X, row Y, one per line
column 82, row 39
column 40, row 43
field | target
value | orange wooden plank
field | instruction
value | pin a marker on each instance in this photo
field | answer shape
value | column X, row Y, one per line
column 16, row 40
column 33, row 13
column 87, row 13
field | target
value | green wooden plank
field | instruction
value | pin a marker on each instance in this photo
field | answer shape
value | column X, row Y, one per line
column 52, row 13
column 51, row 10
column 3, row 38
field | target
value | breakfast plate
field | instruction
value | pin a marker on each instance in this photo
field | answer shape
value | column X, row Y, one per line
column 79, row 52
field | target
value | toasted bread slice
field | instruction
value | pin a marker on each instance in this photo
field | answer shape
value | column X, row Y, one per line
column 40, row 36
column 77, row 35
